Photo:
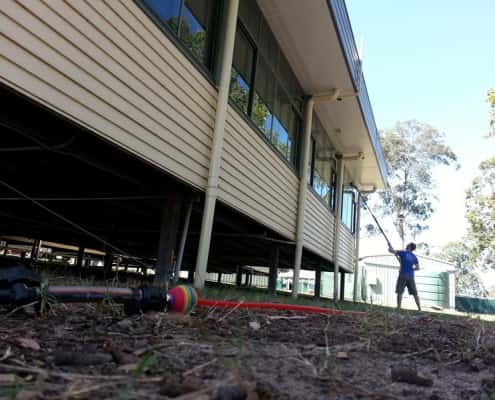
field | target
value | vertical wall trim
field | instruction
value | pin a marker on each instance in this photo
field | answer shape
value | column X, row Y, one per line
column 216, row 151
column 338, row 222
column 303, row 185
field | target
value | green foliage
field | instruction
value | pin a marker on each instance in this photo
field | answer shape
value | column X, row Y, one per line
column 148, row 362
column 412, row 149
column 490, row 98
column 468, row 282
column 480, row 213
column 239, row 91
column 194, row 41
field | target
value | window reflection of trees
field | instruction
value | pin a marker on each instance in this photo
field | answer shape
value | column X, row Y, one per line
column 266, row 78
column 189, row 20
column 321, row 168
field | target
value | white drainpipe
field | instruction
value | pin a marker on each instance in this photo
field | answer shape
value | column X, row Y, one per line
column 356, row 250
column 338, row 222
column 303, row 185
column 332, row 95
column 216, row 151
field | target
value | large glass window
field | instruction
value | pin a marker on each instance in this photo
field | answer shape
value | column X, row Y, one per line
column 263, row 85
column 242, row 71
column 349, row 209
column 321, row 167
column 191, row 21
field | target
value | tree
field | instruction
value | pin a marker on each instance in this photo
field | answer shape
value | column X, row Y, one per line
column 490, row 98
column 468, row 282
column 412, row 149
column 480, row 213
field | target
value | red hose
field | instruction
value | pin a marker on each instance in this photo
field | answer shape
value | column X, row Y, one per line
column 276, row 306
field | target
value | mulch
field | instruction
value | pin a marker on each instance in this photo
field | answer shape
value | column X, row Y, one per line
column 89, row 351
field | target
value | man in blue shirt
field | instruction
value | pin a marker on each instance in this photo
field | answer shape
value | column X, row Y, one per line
column 408, row 264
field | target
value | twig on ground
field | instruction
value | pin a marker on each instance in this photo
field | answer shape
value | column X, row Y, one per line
column 231, row 311
column 89, row 389
column 64, row 375
column 419, row 353
column 199, row 367
column 24, row 306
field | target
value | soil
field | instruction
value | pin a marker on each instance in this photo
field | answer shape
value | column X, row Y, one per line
column 95, row 352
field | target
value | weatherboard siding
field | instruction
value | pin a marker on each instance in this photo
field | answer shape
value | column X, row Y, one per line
column 347, row 249
column 108, row 67
column 255, row 180
column 319, row 227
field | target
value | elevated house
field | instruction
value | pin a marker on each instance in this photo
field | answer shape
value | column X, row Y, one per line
column 208, row 134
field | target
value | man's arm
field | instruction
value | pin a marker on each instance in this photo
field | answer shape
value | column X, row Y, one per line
column 391, row 250
column 416, row 266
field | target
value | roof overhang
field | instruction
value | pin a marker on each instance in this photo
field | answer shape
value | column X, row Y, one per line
column 317, row 39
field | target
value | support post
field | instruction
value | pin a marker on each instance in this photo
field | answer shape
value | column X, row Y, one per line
column 238, row 277
column 80, row 258
column 318, row 283
column 303, row 185
column 273, row 268
column 356, row 249
column 107, row 263
column 342, row 286
column 216, row 151
column 338, row 223
column 168, row 239
column 219, row 277
column 185, row 230
column 35, row 250
column 190, row 274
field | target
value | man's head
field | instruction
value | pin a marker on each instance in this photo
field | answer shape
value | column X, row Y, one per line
column 411, row 246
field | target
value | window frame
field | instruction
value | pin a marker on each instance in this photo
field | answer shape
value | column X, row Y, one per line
column 294, row 159
column 332, row 203
column 209, row 69
column 353, row 209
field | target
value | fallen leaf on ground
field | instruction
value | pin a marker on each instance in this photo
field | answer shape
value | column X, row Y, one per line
column 29, row 343
column 128, row 367
column 254, row 325
column 7, row 354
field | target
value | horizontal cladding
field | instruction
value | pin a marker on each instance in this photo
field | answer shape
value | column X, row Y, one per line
column 318, row 227
column 255, row 180
column 346, row 249
column 109, row 68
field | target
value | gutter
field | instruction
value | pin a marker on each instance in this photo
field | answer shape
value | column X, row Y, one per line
column 338, row 8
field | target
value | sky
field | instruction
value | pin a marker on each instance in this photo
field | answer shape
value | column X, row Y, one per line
column 432, row 61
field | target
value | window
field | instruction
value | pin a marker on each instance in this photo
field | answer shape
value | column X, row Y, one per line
column 321, row 168
column 191, row 21
column 263, row 85
column 241, row 81
column 349, row 209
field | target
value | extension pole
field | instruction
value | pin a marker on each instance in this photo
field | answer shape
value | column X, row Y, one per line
column 376, row 222
column 380, row 228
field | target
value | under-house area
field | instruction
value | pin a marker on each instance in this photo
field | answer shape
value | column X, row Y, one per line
column 198, row 201
column 83, row 197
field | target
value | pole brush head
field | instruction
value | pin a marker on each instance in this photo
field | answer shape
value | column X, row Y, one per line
column 182, row 299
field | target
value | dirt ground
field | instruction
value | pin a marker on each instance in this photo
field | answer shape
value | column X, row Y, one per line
column 95, row 352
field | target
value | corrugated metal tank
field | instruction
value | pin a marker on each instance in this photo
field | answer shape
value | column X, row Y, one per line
column 435, row 282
